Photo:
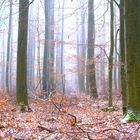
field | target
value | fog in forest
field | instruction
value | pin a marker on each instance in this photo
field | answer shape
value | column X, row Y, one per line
column 69, row 69
column 70, row 27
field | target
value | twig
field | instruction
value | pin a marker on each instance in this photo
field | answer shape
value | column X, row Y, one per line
column 113, row 130
column 87, row 133
column 44, row 128
column 117, row 3
column 31, row 2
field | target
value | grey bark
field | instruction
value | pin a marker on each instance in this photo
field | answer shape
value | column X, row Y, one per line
column 90, row 69
column 9, row 47
column 48, row 64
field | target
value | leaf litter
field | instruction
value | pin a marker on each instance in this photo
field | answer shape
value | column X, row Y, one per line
column 74, row 117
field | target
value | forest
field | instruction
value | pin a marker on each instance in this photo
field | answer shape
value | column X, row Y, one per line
column 69, row 69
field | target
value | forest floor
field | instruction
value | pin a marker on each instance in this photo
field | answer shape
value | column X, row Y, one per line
column 76, row 117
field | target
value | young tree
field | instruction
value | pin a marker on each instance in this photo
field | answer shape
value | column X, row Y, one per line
column 8, row 47
column 31, row 48
column 21, row 80
column 60, row 52
column 81, row 50
column 90, row 69
column 110, row 67
column 38, row 51
column 132, row 35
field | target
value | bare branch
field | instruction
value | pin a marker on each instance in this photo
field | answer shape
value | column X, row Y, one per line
column 117, row 3
column 31, row 2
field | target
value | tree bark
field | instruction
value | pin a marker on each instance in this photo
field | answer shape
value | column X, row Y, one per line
column 110, row 66
column 123, row 58
column 90, row 69
column 132, row 36
column 133, row 53
column 48, row 64
column 21, row 81
column 8, row 48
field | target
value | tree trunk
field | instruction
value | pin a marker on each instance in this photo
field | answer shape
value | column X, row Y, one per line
column 123, row 58
column 133, row 53
column 48, row 64
column 60, row 54
column 110, row 66
column 132, row 22
column 31, row 49
column 21, row 81
column 82, row 53
column 90, row 69
column 8, row 47
column 38, row 53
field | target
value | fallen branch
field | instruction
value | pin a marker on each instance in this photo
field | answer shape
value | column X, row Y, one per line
column 41, row 128
column 110, row 129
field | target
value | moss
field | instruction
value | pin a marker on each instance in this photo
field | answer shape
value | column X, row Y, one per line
column 23, row 108
column 108, row 109
column 130, row 117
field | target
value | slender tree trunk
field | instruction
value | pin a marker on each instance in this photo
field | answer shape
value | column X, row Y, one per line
column 11, row 66
column 3, row 60
column 60, row 54
column 8, row 47
column 82, row 54
column 52, row 50
column 31, row 49
column 46, row 48
column 115, row 70
column 123, row 59
column 110, row 67
column 48, row 64
column 62, row 48
column 38, row 53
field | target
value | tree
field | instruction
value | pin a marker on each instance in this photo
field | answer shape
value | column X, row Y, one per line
column 38, row 51
column 81, row 51
column 110, row 67
column 21, row 80
column 90, row 69
column 132, row 35
column 8, row 47
column 48, row 62
column 123, row 58
column 60, row 79
column 31, row 48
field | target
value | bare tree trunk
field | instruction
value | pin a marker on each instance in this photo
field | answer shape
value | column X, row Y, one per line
column 8, row 48
column 90, row 69
column 39, row 79
column 21, row 81
column 60, row 56
column 82, row 53
column 123, row 58
column 132, row 42
column 31, row 49
column 48, row 64
column 110, row 66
